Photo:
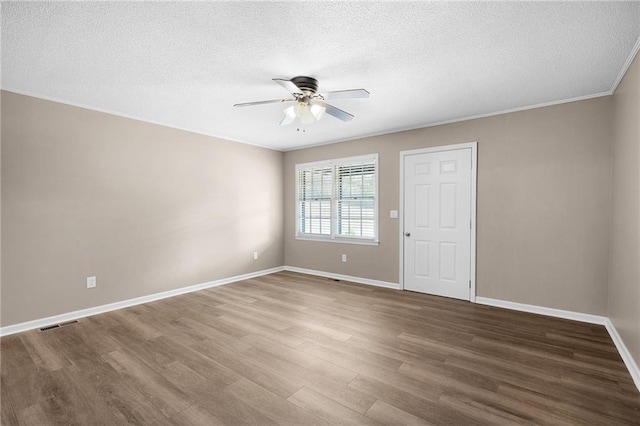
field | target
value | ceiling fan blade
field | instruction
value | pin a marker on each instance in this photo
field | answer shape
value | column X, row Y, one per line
column 346, row 94
column 336, row 112
column 272, row 101
column 288, row 85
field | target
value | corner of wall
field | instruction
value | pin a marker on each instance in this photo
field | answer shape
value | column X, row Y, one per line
column 623, row 286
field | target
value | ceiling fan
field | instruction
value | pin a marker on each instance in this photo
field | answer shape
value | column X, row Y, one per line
column 310, row 106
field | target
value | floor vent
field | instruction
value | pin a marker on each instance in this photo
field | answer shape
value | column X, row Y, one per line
column 62, row 324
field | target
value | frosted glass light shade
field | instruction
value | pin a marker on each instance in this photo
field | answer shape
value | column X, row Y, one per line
column 299, row 108
column 317, row 111
column 289, row 116
column 289, row 112
column 307, row 113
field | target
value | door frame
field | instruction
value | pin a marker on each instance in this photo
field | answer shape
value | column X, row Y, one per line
column 474, row 172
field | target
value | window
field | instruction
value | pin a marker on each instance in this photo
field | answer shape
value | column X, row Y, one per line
column 337, row 200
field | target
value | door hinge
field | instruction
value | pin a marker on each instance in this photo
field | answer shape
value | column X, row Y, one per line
column 469, row 283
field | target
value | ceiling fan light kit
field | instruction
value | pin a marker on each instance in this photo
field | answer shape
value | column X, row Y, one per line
column 310, row 106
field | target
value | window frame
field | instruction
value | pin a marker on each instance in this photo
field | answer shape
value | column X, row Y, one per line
column 333, row 236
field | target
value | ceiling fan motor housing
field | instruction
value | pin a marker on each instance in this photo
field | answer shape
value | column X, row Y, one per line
column 306, row 84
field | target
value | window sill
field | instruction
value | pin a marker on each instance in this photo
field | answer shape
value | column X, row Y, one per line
column 338, row 240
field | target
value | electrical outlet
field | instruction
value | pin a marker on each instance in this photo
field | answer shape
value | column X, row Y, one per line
column 91, row 282
column 344, row 257
column 393, row 214
column 255, row 255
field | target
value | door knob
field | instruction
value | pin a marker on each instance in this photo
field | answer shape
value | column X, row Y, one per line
column 407, row 234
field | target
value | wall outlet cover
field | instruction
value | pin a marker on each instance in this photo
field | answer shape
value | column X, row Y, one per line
column 91, row 282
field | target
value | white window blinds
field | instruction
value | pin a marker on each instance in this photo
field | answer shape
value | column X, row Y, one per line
column 315, row 194
column 337, row 199
column 356, row 199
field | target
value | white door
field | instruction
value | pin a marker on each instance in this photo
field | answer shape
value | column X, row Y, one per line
column 437, row 223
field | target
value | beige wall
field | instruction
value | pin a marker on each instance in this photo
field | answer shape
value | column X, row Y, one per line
column 624, row 270
column 143, row 207
column 543, row 205
column 0, row 211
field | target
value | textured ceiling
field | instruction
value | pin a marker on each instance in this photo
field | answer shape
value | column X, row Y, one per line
column 185, row 64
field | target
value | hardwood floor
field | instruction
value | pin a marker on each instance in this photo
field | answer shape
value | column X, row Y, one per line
column 299, row 350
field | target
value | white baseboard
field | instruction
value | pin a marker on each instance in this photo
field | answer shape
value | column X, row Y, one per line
column 550, row 312
column 628, row 360
column 341, row 277
column 631, row 364
column 69, row 316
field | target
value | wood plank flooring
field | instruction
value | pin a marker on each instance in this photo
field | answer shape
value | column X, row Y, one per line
column 292, row 349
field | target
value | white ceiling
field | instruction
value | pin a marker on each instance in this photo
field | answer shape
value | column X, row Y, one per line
column 184, row 64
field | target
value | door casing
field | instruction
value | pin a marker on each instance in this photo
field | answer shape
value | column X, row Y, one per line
column 474, row 171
